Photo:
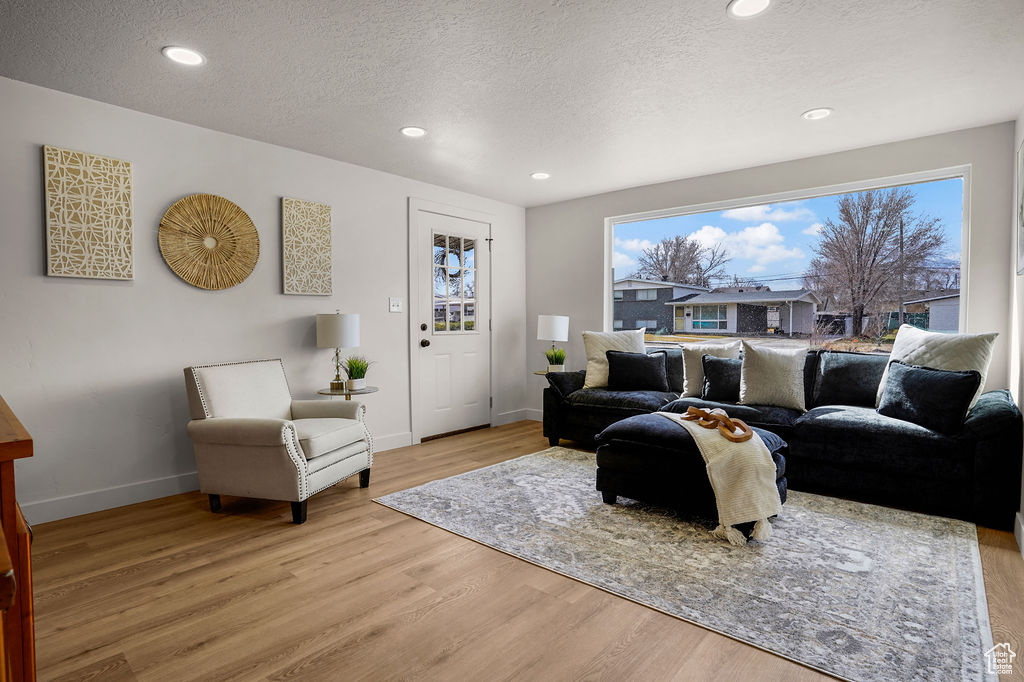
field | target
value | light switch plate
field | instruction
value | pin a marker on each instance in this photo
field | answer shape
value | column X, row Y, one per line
column 394, row 305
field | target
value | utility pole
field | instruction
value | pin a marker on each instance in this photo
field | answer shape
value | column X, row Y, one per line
column 903, row 271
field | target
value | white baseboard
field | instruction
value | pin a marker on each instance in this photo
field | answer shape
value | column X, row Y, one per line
column 512, row 416
column 534, row 414
column 56, row 508
column 1018, row 532
column 392, row 441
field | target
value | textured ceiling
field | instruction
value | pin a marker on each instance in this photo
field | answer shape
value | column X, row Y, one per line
column 602, row 94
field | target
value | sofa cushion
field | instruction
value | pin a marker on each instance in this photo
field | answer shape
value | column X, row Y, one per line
column 721, row 379
column 636, row 371
column 597, row 344
column 566, row 382
column 651, row 401
column 858, row 437
column 320, row 436
column 933, row 398
column 847, row 378
column 673, row 367
column 763, row 416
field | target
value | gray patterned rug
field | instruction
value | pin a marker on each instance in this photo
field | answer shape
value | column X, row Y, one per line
column 858, row 591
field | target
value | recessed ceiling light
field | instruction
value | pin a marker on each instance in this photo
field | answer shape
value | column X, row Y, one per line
column 540, row 175
column 817, row 114
column 183, row 55
column 414, row 131
column 742, row 9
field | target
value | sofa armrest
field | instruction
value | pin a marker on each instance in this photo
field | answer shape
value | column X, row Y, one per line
column 242, row 431
column 335, row 409
column 996, row 427
column 564, row 383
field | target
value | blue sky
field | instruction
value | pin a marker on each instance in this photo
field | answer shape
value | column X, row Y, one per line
column 775, row 242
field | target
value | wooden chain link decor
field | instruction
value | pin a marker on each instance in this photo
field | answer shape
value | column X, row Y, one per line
column 208, row 241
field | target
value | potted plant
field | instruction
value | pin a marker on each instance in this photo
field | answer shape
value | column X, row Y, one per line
column 355, row 367
column 556, row 359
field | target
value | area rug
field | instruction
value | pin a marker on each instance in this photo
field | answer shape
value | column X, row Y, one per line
column 858, row 591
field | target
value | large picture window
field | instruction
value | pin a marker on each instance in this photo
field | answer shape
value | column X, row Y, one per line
column 842, row 269
column 711, row 317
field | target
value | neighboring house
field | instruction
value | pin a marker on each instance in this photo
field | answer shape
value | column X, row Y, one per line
column 943, row 308
column 746, row 312
column 641, row 302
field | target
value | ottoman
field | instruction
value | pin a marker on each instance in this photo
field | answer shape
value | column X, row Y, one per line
column 650, row 459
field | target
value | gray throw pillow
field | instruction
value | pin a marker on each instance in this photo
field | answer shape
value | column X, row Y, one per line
column 773, row 376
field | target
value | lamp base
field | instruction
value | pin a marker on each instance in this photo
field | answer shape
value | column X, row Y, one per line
column 338, row 385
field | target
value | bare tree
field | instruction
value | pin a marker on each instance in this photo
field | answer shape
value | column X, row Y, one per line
column 858, row 256
column 678, row 259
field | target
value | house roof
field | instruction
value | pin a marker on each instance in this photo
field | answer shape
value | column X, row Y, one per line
column 656, row 283
column 680, row 299
column 752, row 297
column 927, row 296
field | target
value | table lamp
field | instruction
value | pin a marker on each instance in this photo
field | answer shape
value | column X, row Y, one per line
column 553, row 328
column 337, row 331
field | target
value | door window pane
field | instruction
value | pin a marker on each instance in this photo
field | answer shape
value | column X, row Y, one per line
column 454, row 283
column 440, row 283
column 439, row 314
column 455, row 317
column 469, row 255
column 439, row 242
column 469, row 283
column 469, row 316
column 454, row 252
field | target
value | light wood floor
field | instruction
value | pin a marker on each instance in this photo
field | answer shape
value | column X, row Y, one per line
column 165, row 590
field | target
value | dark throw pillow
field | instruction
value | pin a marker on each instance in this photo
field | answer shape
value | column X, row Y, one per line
column 673, row 367
column 636, row 371
column 721, row 379
column 933, row 398
column 848, row 378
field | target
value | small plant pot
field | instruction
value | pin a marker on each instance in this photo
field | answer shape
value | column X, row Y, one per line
column 355, row 384
column 556, row 368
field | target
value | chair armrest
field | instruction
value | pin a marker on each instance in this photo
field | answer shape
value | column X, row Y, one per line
column 242, row 431
column 564, row 383
column 995, row 410
column 331, row 409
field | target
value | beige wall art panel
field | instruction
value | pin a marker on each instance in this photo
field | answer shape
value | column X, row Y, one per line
column 306, row 247
column 89, row 224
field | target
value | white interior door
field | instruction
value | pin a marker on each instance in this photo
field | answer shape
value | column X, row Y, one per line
column 451, row 333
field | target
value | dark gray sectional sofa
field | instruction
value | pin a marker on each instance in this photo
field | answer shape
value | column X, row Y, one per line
column 841, row 446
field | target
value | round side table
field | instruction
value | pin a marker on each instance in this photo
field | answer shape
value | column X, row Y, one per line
column 347, row 393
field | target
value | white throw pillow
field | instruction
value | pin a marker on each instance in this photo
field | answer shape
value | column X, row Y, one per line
column 693, row 366
column 953, row 352
column 773, row 376
column 598, row 343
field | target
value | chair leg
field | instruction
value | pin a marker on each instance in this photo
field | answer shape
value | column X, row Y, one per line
column 299, row 512
column 609, row 497
column 215, row 503
column 553, row 441
column 364, row 478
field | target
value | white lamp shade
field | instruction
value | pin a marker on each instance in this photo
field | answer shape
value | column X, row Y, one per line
column 340, row 330
column 553, row 327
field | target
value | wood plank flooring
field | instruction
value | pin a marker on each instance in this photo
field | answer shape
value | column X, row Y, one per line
column 165, row 590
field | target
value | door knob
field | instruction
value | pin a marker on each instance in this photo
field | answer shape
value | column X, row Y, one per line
column 424, row 342
column 423, row 327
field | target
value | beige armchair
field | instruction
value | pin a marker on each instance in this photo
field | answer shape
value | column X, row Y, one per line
column 252, row 440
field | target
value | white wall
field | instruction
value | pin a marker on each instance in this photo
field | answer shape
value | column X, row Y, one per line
column 1017, row 340
column 94, row 368
column 565, row 241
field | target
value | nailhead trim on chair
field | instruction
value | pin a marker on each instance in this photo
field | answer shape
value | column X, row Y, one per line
column 329, row 485
column 291, row 442
column 199, row 387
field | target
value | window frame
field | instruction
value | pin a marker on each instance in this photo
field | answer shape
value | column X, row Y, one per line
column 962, row 172
column 645, row 292
column 639, row 323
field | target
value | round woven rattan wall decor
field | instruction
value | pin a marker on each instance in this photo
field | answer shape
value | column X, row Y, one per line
column 208, row 241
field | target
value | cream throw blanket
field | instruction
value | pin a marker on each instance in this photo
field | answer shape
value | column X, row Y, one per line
column 743, row 478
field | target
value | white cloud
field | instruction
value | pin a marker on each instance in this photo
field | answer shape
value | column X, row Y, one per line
column 757, row 268
column 812, row 229
column 621, row 260
column 766, row 212
column 633, row 244
column 762, row 243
